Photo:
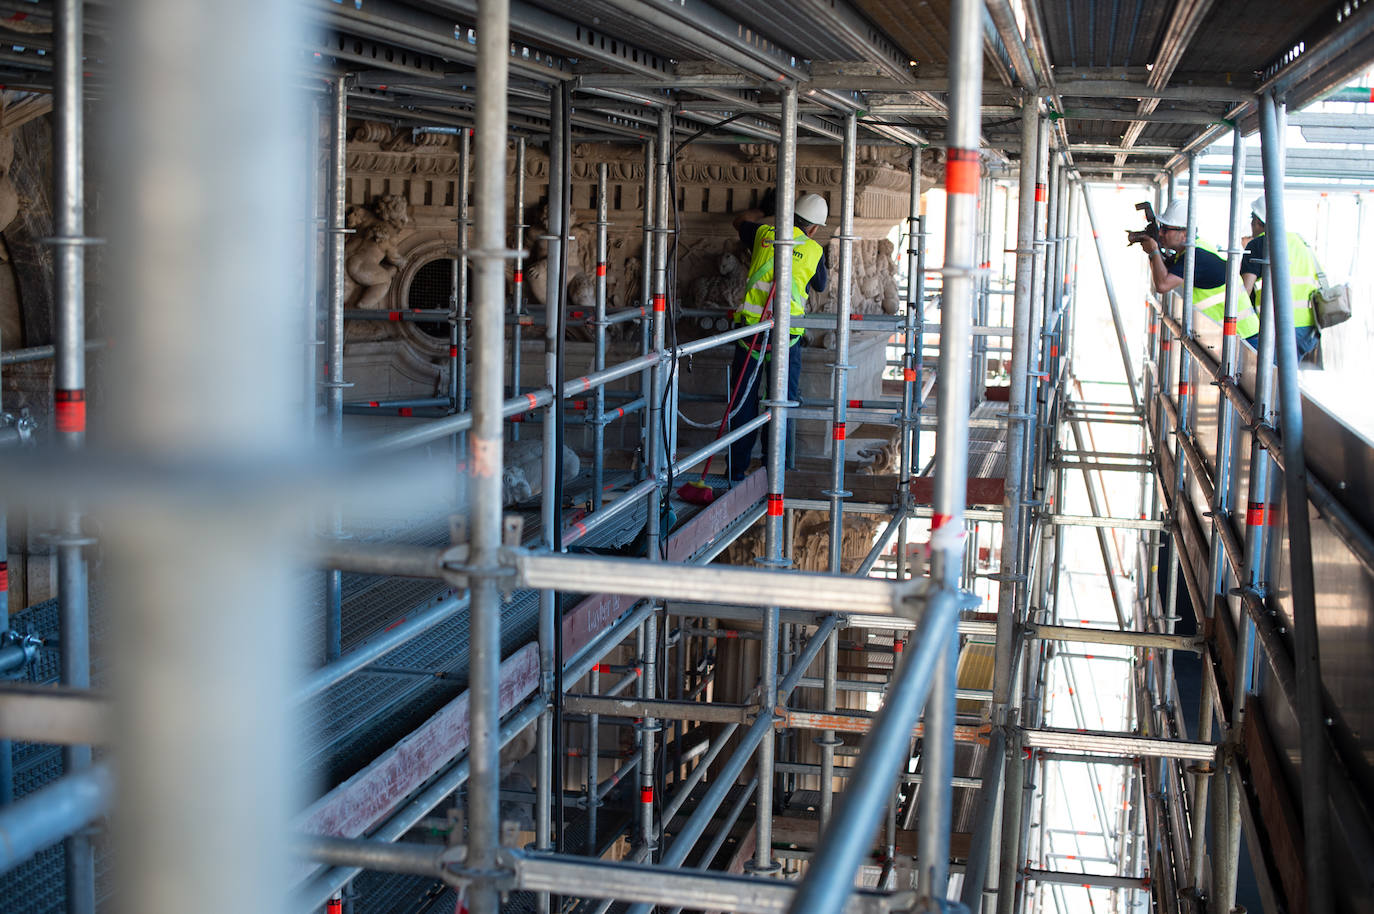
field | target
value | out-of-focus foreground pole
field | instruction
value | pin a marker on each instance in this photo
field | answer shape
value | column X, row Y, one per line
column 206, row 259
column 69, row 395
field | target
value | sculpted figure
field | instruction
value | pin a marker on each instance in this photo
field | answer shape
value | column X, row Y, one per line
column 372, row 257
column 373, row 263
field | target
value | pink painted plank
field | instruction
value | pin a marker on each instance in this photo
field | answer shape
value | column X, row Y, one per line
column 358, row 804
column 698, row 531
column 363, row 800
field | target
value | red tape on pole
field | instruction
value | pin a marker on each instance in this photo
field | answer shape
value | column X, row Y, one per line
column 70, row 409
column 775, row 505
column 837, row 431
column 961, row 171
column 1254, row 514
column 1228, row 327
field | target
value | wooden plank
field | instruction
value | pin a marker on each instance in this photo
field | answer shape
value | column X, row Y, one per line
column 591, row 617
column 982, row 490
column 880, row 490
column 1282, row 827
column 688, row 539
column 801, row 834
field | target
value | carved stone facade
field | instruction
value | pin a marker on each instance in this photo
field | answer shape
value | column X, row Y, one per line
column 403, row 187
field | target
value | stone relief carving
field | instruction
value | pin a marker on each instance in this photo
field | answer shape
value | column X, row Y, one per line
column 371, row 256
column 811, row 529
column 9, row 197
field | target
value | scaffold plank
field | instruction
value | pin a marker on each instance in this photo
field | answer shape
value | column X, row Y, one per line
column 357, row 804
column 1117, row 743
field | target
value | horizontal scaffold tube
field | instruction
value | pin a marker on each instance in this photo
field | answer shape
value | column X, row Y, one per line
column 1094, row 880
column 528, row 402
column 1112, row 636
column 658, row 708
column 44, row 817
column 692, row 583
column 1117, row 744
column 584, row 877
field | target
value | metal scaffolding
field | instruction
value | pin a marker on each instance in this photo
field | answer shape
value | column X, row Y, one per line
column 905, row 735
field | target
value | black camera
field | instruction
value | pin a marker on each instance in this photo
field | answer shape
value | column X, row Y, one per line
column 1151, row 229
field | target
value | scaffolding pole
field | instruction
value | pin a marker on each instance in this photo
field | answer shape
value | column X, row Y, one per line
column 195, row 736
column 69, row 394
column 827, row 740
column 1306, row 652
column 484, row 487
column 778, row 403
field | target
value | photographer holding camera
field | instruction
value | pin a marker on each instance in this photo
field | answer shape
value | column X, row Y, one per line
column 1209, row 268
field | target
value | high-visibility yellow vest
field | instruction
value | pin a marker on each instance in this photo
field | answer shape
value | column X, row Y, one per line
column 806, row 257
column 1212, row 303
column 1302, row 277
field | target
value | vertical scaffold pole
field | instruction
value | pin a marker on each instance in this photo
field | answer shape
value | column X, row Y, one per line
column 910, row 432
column 962, row 172
column 1011, row 592
column 1032, row 486
column 334, row 340
column 195, row 734
column 1182, row 430
column 599, row 358
column 1306, row 648
column 311, row 271
column 840, row 367
column 658, row 317
column 1012, row 568
column 69, row 407
column 458, row 306
column 837, row 493
column 1121, row 343
column 547, row 738
column 488, row 332
column 518, row 286
column 1227, row 447
column 662, row 415
column 646, row 286
column 779, row 404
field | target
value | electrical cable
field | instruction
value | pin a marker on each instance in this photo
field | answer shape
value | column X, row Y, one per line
column 674, row 304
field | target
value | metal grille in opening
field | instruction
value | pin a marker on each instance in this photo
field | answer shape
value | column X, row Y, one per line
column 431, row 288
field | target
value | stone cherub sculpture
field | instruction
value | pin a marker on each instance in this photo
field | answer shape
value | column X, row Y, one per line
column 371, row 257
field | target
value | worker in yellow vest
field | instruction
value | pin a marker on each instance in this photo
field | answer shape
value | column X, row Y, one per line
column 1209, row 270
column 808, row 275
column 1302, row 278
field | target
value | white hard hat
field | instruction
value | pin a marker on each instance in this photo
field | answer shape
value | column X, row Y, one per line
column 1258, row 209
column 1175, row 215
column 812, row 208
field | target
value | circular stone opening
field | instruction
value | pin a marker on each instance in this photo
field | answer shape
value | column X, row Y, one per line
column 431, row 288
